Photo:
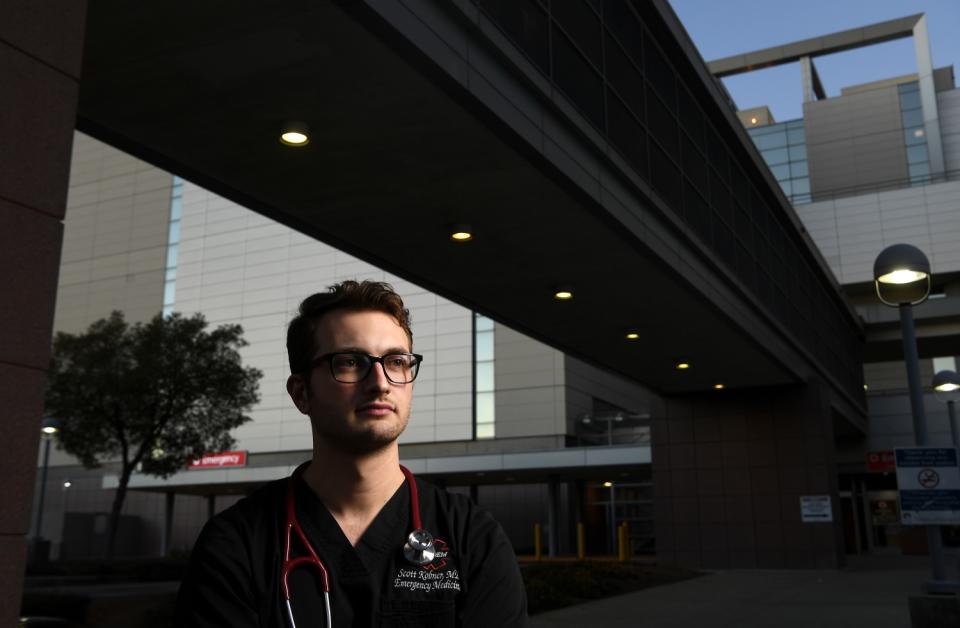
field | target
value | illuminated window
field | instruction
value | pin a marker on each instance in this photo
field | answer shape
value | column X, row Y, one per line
column 483, row 377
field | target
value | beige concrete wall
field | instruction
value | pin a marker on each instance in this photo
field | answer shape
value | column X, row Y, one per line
column 851, row 232
column 115, row 237
column 529, row 383
column 237, row 266
column 855, row 140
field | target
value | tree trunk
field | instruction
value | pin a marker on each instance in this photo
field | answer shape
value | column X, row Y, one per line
column 118, row 499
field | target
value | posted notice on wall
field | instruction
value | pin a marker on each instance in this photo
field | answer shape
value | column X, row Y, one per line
column 929, row 483
column 815, row 509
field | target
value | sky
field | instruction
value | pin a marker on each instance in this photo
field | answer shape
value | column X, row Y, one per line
column 721, row 28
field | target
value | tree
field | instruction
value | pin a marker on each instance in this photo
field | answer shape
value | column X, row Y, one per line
column 154, row 395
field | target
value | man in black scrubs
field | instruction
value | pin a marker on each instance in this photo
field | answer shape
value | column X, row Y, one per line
column 351, row 372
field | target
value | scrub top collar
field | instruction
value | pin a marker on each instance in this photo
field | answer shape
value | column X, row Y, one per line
column 386, row 532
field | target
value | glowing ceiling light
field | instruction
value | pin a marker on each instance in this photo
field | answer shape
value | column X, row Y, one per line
column 633, row 335
column 683, row 366
column 718, row 386
column 563, row 295
column 295, row 134
column 607, row 484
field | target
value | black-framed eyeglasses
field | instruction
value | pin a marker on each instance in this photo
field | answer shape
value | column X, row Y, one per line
column 350, row 367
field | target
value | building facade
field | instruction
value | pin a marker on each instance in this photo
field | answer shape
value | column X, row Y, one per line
column 875, row 165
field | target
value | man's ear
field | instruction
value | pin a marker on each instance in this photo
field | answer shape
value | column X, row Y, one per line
column 299, row 392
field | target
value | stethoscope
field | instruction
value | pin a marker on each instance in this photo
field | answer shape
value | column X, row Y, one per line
column 418, row 550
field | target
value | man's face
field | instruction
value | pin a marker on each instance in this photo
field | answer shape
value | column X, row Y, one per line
column 362, row 416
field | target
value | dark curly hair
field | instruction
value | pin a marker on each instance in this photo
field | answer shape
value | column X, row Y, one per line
column 376, row 296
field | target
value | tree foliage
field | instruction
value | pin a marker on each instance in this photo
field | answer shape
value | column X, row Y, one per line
column 155, row 395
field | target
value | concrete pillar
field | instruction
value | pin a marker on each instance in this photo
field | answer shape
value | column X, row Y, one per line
column 728, row 473
column 928, row 97
column 553, row 518
column 168, row 508
column 41, row 45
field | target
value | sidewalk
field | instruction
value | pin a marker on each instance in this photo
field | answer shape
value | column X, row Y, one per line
column 871, row 592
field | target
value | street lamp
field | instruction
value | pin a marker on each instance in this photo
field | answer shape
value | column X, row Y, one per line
column 946, row 386
column 901, row 275
column 41, row 548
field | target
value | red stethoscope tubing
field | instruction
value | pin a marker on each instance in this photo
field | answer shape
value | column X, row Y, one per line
column 313, row 560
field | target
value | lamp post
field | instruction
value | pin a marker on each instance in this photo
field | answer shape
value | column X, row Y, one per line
column 901, row 275
column 946, row 386
column 41, row 547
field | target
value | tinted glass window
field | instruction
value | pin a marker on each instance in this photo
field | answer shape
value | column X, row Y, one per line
column 577, row 79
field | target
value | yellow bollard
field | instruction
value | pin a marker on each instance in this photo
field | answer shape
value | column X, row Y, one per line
column 537, row 542
column 581, row 542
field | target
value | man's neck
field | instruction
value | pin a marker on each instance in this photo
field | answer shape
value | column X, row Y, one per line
column 354, row 488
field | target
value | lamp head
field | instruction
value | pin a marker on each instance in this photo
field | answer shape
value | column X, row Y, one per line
column 49, row 426
column 946, row 385
column 901, row 274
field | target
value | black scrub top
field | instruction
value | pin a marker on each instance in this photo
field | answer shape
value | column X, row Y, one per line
column 234, row 578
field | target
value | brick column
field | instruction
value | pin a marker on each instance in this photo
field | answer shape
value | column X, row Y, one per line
column 40, row 52
column 728, row 472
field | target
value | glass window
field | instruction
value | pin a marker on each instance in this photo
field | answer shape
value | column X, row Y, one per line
column 799, row 169
column 796, row 136
column 919, row 171
column 905, row 88
column 176, row 207
column 913, row 117
column 484, row 347
column 781, row 172
column 798, row 153
column 582, row 25
column 485, row 408
column 786, row 187
column 169, row 292
column 484, row 323
column 801, row 186
column 770, row 140
column 800, row 199
column 577, row 78
column 914, row 135
column 910, row 100
column 485, row 430
column 776, row 156
column 484, row 376
column 173, row 236
column 172, row 255
column 171, row 274
column 917, row 154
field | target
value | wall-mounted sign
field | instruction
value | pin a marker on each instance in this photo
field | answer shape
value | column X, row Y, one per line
column 220, row 460
column 884, row 512
column 929, row 483
column 815, row 509
column 881, row 461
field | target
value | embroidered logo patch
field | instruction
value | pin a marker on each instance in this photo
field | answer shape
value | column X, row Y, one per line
column 437, row 575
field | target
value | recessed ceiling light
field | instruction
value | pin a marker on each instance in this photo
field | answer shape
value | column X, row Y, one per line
column 632, row 335
column 683, row 365
column 718, row 386
column 563, row 294
column 753, row 121
column 918, row 133
column 607, row 484
column 461, row 233
column 295, row 134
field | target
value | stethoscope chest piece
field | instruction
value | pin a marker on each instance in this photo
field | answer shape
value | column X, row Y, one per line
column 419, row 548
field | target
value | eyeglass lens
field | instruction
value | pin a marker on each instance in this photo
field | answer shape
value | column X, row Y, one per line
column 400, row 368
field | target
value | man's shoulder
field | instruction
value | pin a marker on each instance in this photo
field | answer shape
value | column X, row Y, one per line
column 250, row 513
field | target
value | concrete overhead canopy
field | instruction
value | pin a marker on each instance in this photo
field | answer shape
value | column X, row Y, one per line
column 404, row 145
column 815, row 46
